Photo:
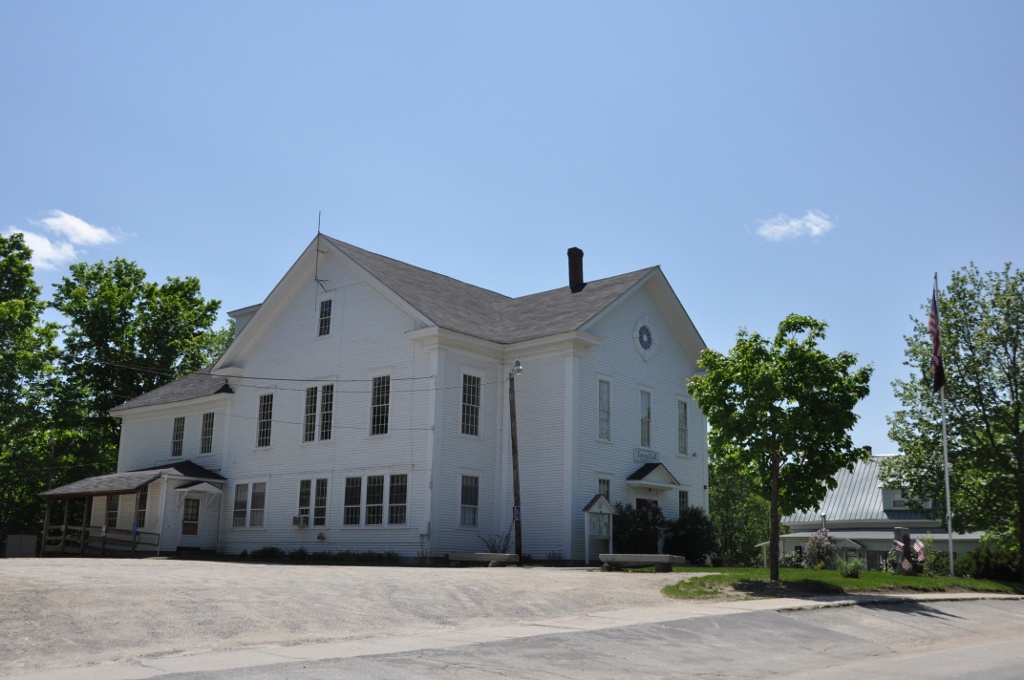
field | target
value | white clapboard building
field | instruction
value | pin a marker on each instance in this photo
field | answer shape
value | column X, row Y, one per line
column 364, row 405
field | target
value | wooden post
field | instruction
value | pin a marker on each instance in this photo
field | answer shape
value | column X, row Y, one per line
column 46, row 529
column 64, row 527
column 86, row 511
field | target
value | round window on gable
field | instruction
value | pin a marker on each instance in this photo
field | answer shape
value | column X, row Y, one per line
column 644, row 339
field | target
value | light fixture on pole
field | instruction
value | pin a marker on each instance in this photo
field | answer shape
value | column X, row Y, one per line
column 517, row 369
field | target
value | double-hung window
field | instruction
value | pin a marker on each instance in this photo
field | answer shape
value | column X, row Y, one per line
column 380, row 404
column 604, row 487
column 684, row 429
column 250, row 503
column 265, row 418
column 470, row 404
column 324, row 322
column 604, row 410
column 325, row 411
column 178, row 437
column 112, row 505
column 206, row 435
column 645, row 418
column 684, row 501
column 367, row 498
column 313, row 501
column 470, row 501
column 140, row 507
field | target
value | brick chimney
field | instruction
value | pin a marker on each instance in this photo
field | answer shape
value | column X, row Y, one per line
column 575, row 269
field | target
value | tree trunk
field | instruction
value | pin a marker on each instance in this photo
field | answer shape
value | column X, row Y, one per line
column 773, row 546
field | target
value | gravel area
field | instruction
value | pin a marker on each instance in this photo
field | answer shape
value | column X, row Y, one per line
column 62, row 612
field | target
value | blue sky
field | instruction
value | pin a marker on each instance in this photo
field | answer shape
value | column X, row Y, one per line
column 818, row 158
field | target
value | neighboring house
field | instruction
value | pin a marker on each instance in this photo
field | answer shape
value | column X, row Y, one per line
column 861, row 516
column 364, row 405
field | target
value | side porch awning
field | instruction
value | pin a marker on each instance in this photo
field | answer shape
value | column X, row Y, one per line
column 131, row 482
column 654, row 475
column 209, row 492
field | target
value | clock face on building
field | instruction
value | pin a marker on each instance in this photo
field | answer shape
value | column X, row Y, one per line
column 645, row 338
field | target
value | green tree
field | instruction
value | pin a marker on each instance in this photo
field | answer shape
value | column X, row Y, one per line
column 126, row 336
column 781, row 411
column 27, row 352
column 692, row 535
column 739, row 514
column 982, row 329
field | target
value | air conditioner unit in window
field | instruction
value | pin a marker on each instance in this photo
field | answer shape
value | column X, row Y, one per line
column 300, row 520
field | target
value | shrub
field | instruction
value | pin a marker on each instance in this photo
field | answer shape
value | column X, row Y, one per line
column 992, row 559
column 851, row 568
column 791, row 560
column 691, row 536
column 268, row 553
column 299, row 555
column 820, row 553
column 498, row 543
column 636, row 530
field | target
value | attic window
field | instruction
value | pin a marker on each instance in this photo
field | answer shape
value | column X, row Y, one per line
column 324, row 327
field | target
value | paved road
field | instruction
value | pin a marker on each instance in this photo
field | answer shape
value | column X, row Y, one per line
column 475, row 623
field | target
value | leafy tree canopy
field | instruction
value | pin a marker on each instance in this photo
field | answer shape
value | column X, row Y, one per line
column 982, row 329
column 781, row 410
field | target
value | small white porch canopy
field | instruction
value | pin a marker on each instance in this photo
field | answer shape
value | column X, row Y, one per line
column 655, row 476
column 209, row 492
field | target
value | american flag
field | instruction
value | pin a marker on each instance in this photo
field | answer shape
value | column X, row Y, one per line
column 938, row 372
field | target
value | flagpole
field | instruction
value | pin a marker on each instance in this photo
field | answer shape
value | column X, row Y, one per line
column 945, row 461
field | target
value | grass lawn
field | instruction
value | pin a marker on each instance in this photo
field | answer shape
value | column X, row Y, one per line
column 735, row 582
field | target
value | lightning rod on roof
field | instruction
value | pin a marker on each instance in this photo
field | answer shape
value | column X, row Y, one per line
column 316, row 270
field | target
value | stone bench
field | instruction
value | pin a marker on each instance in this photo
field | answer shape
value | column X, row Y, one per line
column 492, row 559
column 661, row 563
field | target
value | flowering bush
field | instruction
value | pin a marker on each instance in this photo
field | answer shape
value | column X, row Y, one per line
column 820, row 553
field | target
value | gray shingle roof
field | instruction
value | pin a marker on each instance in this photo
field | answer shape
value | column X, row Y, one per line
column 482, row 313
column 857, row 497
column 194, row 385
column 129, row 482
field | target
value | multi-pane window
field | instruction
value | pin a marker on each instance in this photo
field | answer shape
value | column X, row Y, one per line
column 309, row 422
column 190, row 517
column 353, row 500
column 375, row 499
column 470, row 404
column 324, row 325
column 684, row 500
column 140, row 507
column 380, row 404
column 250, row 503
column 326, row 411
column 397, row 492
column 264, row 419
column 112, row 503
column 604, row 410
column 470, row 503
column 684, row 429
column 206, row 436
column 313, row 497
column 604, row 487
column 645, row 418
column 178, row 438
column 381, row 491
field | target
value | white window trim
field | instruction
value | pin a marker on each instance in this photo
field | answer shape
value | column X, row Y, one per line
column 213, row 431
column 318, row 412
column 605, row 477
column 270, row 444
column 683, row 447
column 479, row 500
column 178, row 437
column 369, row 430
column 640, row 416
column 386, row 511
column 311, row 508
column 248, row 504
column 332, row 318
column 480, row 401
column 611, row 409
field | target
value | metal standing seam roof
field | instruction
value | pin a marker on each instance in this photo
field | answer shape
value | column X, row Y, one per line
column 129, row 482
column 857, row 497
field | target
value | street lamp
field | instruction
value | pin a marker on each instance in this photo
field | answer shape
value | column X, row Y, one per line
column 517, row 369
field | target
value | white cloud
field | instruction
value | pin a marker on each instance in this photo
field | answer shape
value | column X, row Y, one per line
column 46, row 254
column 783, row 227
column 76, row 230
column 69, row 231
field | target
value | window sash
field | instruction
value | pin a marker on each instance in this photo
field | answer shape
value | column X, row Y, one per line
column 375, row 499
column 320, row 504
column 112, row 505
column 684, row 428
column 240, row 511
column 265, row 419
column 257, row 504
column 178, row 438
column 684, row 500
column 470, row 501
column 645, row 418
column 470, row 404
column 206, row 436
column 140, row 507
column 380, row 404
column 309, row 422
column 326, row 412
column 397, row 493
column 353, row 500
column 604, row 487
column 604, row 410
column 324, row 323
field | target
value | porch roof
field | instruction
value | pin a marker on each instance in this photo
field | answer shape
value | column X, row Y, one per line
column 130, row 482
